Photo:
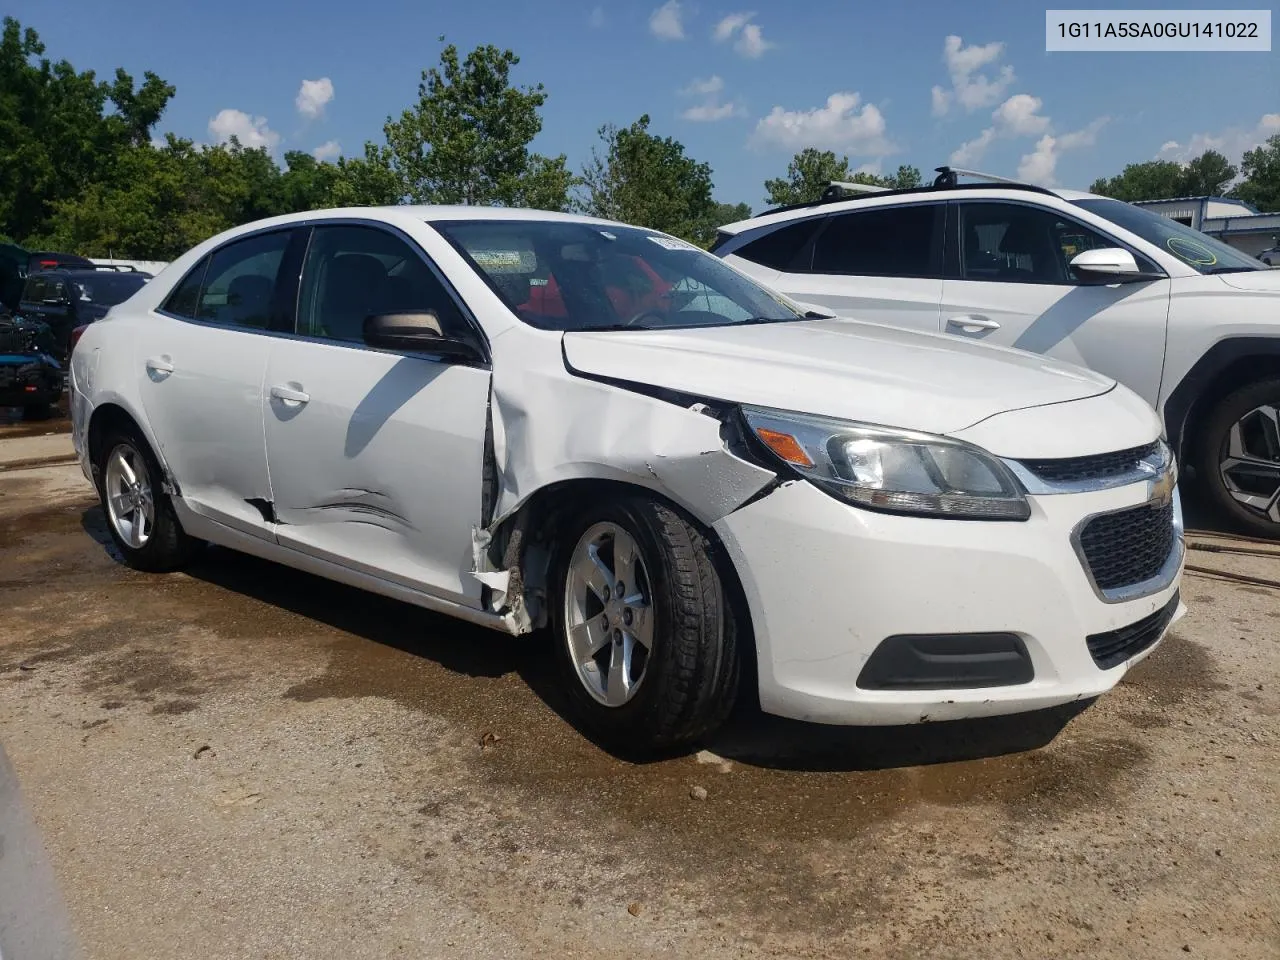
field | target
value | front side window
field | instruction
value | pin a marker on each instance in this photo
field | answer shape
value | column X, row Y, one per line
column 882, row 242
column 354, row 272
column 1197, row 250
column 561, row 275
column 240, row 283
column 1015, row 243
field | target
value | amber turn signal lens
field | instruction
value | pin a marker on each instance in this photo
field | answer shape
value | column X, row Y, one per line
column 785, row 446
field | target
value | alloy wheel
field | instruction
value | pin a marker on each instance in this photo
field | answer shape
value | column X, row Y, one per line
column 1249, row 463
column 130, row 505
column 608, row 614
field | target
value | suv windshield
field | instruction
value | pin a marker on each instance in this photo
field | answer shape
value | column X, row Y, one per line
column 109, row 289
column 1192, row 247
column 582, row 276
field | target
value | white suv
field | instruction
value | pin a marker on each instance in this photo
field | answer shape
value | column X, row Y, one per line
column 1189, row 323
column 523, row 419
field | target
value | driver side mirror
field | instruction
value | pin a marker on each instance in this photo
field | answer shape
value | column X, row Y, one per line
column 1109, row 265
column 418, row 331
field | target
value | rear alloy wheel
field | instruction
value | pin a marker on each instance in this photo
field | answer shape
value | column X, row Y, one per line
column 646, row 642
column 140, row 515
column 1241, row 457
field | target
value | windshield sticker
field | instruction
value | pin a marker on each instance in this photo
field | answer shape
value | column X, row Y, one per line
column 502, row 260
column 607, row 235
column 671, row 243
column 1193, row 251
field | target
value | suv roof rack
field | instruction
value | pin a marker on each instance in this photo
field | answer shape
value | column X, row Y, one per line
column 947, row 179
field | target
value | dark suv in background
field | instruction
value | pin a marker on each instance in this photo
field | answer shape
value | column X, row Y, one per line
column 69, row 297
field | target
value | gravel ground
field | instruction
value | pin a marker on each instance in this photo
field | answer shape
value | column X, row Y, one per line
column 245, row 761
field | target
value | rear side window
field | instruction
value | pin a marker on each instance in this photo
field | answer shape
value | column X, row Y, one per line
column 786, row 248
column 885, row 242
column 34, row 292
column 240, row 283
column 184, row 301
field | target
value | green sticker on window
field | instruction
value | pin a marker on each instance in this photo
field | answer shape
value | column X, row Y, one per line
column 1192, row 251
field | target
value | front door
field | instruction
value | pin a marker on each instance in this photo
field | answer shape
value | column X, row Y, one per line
column 200, row 371
column 376, row 458
column 1016, row 288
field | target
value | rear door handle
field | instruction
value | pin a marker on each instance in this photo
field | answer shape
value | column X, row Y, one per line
column 159, row 365
column 289, row 395
column 973, row 323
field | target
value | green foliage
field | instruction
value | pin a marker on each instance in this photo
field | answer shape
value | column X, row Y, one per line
column 811, row 171
column 647, row 180
column 730, row 213
column 1206, row 176
column 1261, row 168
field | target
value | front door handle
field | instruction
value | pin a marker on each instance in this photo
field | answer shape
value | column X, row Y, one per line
column 289, row 395
column 972, row 324
column 160, row 366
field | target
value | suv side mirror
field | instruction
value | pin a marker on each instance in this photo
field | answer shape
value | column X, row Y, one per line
column 1109, row 265
column 418, row 331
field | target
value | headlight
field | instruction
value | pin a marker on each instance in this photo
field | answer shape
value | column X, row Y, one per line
column 892, row 470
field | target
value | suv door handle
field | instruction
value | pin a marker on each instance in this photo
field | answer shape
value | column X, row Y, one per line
column 289, row 395
column 973, row 323
column 159, row 365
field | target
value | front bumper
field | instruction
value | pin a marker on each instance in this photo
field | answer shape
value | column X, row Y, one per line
column 826, row 583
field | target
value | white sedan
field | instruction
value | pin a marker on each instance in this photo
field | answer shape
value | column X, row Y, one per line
column 531, row 420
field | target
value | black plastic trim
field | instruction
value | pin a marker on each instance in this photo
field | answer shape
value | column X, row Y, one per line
column 947, row 661
column 1183, row 403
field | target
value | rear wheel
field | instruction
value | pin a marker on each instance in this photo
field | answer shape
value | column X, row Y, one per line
column 140, row 515
column 1239, row 457
column 644, row 637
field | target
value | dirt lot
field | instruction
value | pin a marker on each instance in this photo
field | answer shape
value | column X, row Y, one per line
column 244, row 761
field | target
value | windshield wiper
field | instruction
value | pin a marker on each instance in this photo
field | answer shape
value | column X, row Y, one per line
column 1231, row 270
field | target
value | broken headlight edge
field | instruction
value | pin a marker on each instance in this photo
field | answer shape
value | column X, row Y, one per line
column 894, row 471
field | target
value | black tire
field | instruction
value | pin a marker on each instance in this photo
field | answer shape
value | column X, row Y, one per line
column 37, row 411
column 692, row 674
column 168, row 547
column 1210, row 447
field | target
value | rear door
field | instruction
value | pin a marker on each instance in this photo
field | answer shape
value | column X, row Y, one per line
column 1014, row 286
column 882, row 264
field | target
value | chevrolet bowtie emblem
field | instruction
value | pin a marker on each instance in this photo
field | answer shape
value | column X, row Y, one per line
column 1160, row 490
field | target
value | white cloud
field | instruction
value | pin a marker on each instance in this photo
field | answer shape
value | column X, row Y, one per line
column 666, row 23
column 1231, row 142
column 970, row 88
column 703, row 88
column 597, row 17
column 313, row 96
column 329, row 150
column 971, row 151
column 1019, row 116
column 250, row 131
column 838, row 125
column 710, row 109
column 750, row 41
column 1041, row 164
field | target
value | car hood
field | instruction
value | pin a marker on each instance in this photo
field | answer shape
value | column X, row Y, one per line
column 838, row 368
column 1261, row 281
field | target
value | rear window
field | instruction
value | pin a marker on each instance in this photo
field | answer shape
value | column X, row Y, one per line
column 108, row 289
column 785, row 248
column 882, row 242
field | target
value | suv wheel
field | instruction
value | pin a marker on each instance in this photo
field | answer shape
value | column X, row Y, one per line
column 1239, row 457
column 139, row 514
column 644, row 635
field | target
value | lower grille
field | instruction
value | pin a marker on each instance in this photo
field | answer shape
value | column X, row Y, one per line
column 1129, row 546
column 1114, row 647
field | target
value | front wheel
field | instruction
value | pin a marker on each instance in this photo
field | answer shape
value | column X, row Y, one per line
column 645, row 638
column 1239, row 457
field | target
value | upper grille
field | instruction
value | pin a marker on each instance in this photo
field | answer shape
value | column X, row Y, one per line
column 1116, row 646
column 1098, row 466
column 14, row 338
column 1128, row 546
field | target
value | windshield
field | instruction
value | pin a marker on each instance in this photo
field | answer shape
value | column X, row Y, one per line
column 109, row 289
column 581, row 276
column 1192, row 247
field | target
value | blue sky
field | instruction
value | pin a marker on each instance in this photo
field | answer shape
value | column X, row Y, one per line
column 743, row 85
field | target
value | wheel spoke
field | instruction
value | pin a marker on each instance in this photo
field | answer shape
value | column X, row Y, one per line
column 588, row 638
column 624, row 562
column 126, row 469
column 618, row 686
column 596, row 574
column 642, row 625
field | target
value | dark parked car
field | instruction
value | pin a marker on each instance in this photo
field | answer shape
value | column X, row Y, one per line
column 67, row 298
column 30, row 376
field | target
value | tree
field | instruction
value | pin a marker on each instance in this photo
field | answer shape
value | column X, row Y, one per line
column 811, row 171
column 1261, row 169
column 367, row 181
column 647, row 180
column 62, row 130
column 730, row 213
column 467, row 138
column 1208, row 175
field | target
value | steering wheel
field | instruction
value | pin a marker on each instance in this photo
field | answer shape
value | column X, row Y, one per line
column 647, row 312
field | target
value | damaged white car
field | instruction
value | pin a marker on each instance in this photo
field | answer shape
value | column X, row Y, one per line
column 528, row 419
